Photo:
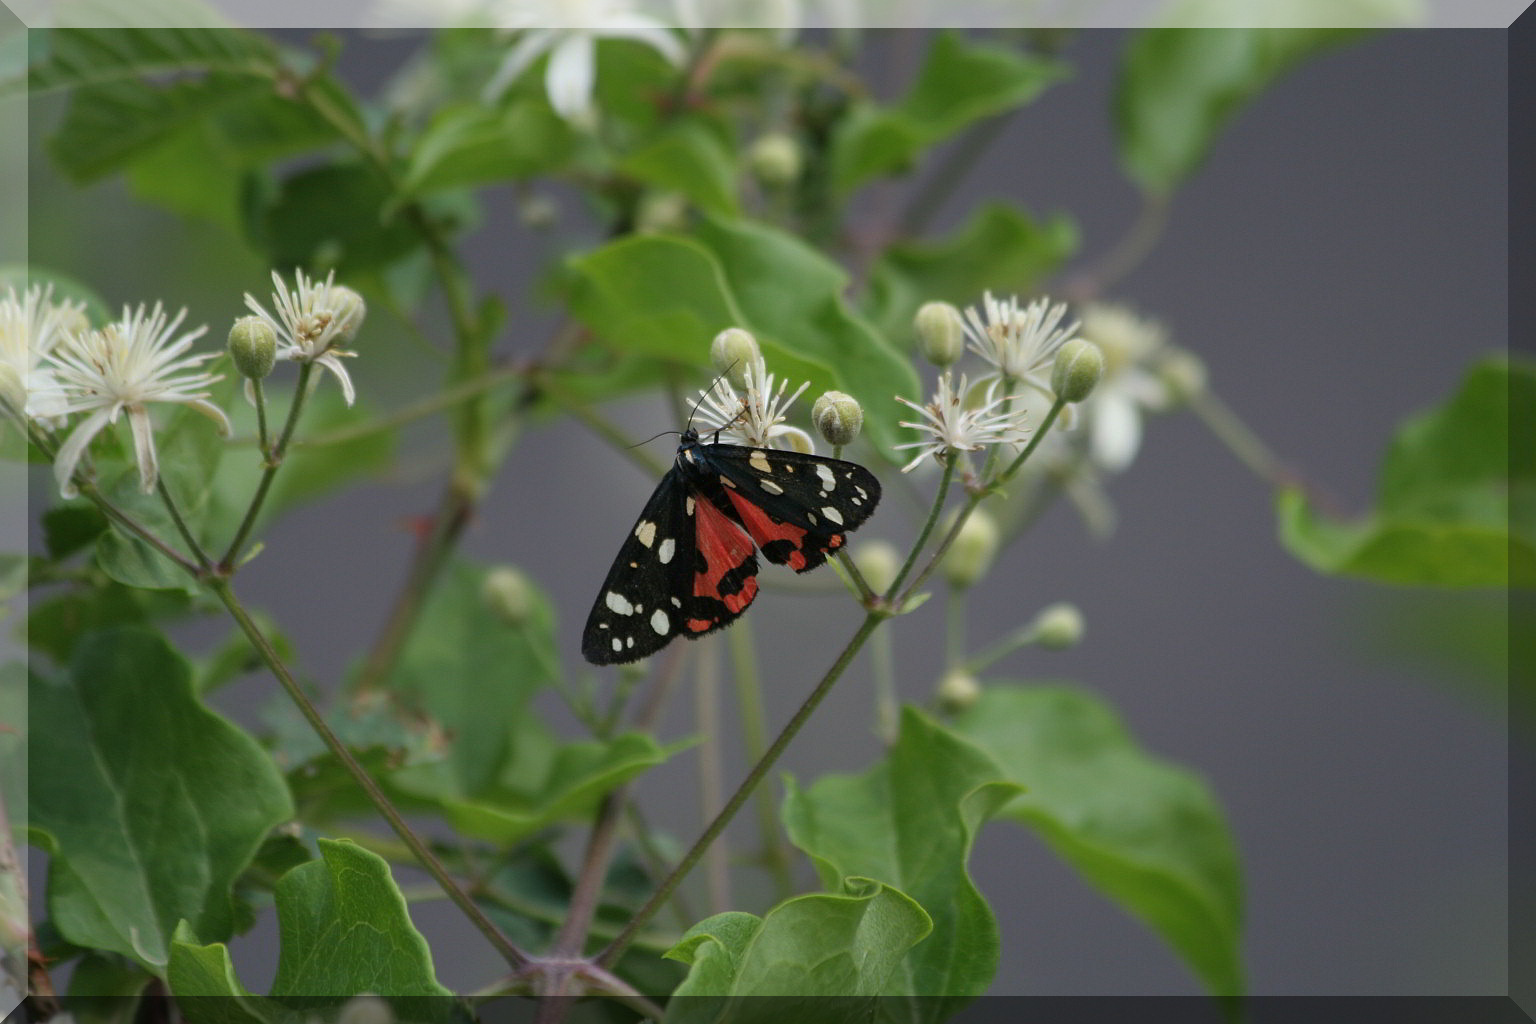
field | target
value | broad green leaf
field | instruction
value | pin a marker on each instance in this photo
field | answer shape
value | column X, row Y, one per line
column 909, row 822
column 336, row 215
column 236, row 657
column 1000, row 248
column 107, row 126
column 472, row 144
column 114, row 53
column 130, row 560
column 1146, row 833
column 69, row 528
column 1178, row 87
column 105, row 989
column 135, row 766
column 189, row 174
column 693, row 158
column 961, row 81
column 345, row 930
column 475, row 673
column 1455, row 502
column 203, row 980
column 822, row 958
column 20, row 276
column 544, row 781
column 56, row 623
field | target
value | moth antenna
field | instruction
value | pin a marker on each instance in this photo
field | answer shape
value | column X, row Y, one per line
column 653, row 437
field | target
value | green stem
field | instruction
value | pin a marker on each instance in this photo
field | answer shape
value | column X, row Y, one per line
column 928, row 526
column 706, row 710
column 198, row 555
column 882, row 660
column 754, row 727
column 1231, row 431
column 272, row 460
column 428, row 860
column 759, row 770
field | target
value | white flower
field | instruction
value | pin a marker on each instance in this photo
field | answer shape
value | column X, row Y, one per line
column 952, row 427
column 1019, row 343
column 312, row 322
column 123, row 367
column 30, row 327
column 568, row 31
column 1128, row 387
column 756, row 417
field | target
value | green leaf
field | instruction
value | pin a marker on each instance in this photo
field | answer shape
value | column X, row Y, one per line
column 690, row 157
column 999, row 248
column 472, row 144
column 333, row 215
column 667, row 297
column 130, row 561
column 345, row 930
column 236, row 657
column 69, row 528
column 823, row 958
column 110, row 54
column 1146, row 833
column 105, row 989
column 543, row 782
column 1178, row 87
column 203, row 980
column 56, row 624
column 961, row 81
column 136, row 766
column 909, row 822
column 106, row 127
column 476, row 674
column 1455, row 502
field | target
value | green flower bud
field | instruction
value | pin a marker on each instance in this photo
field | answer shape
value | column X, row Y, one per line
column 958, row 690
column 509, row 594
column 1079, row 365
column 971, row 553
column 661, row 211
column 253, row 346
column 878, row 562
column 776, row 159
column 940, row 333
column 1058, row 626
column 349, row 309
column 366, row 1009
column 838, row 417
column 1182, row 373
column 732, row 351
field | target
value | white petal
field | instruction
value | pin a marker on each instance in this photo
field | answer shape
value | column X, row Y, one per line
column 214, row 413
column 569, row 77
column 1115, row 432
column 68, row 458
column 330, row 362
column 524, row 52
column 144, row 447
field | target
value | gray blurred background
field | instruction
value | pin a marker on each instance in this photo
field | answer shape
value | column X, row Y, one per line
column 1338, row 262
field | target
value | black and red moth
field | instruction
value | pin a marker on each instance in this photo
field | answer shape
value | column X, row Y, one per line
column 690, row 566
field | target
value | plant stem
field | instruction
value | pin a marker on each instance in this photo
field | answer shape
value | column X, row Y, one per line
column 706, row 707
column 434, row 867
column 182, row 528
column 928, row 525
column 272, row 459
column 758, row 771
column 754, row 718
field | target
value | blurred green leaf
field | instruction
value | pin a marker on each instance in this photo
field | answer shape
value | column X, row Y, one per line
column 130, row 561
column 1456, row 505
column 1178, row 87
column 69, row 528
column 332, row 215
column 475, row 673
column 56, row 622
column 1000, row 248
column 20, row 276
column 107, row 126
column 909, row 822
column 823, row 958
column 1148, row 834
column 110, row 54
column 693, row 158
column 472, row 144
column 961, row 81
column 136, row 766
column 236, row 657
column 105, row 989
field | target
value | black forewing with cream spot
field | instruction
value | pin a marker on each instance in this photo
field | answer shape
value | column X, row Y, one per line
column 821, row 498
column 654, row 566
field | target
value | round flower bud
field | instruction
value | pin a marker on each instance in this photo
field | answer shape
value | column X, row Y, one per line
column 538, row 212
column 732, row 351
column 878, row 562
column 838, row 417
column 509, row 595
column 1058, row 626
column 349, row 309
column 253, row 346
column 775, row 159
column 366, row 1009
column 1182, row 373
column 940, row 333
column 958, row 690
column 971, row 553
column 1079, row 365
column 661, row 211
